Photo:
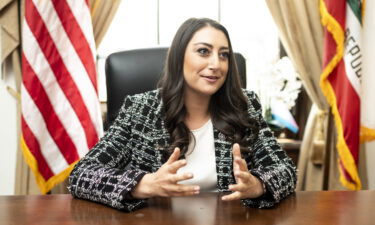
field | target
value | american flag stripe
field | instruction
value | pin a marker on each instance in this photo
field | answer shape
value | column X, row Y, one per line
column 61, row 118
column 54, row 126
column 38, row 127
column 63, row 109
column 63, row 77
column 71, row 60
column 76, row 37
column 33, row 144
column 83, row 17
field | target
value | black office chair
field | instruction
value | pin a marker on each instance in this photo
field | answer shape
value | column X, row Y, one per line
column 136, row 71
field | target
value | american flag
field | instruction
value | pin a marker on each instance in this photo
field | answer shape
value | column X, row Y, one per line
column 61, row 118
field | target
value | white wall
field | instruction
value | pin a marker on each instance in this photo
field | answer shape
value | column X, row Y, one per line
column 256, row 41
column 8, row 134
column 368, row 99
column 370, row 156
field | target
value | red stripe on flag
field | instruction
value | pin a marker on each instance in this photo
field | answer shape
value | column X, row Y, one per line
column 33, row 145
column 53, row 123
column 338, row 10
column 330, row 48
column 63, row 77
column 77, row 38
column 348, row 104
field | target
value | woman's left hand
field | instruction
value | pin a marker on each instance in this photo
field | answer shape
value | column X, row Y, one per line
column 247, row 185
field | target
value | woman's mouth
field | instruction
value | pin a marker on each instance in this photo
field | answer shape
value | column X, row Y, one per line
column 210, row 79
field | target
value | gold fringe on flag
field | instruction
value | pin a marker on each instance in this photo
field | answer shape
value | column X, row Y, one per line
column 44, row 186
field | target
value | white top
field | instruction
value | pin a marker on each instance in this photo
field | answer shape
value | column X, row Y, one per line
column 201, row 160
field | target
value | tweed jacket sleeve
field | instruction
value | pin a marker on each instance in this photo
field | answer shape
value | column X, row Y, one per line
column 268, row 161
column 101, row 175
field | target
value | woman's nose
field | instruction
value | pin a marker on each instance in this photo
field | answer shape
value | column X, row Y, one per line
column 214, row 61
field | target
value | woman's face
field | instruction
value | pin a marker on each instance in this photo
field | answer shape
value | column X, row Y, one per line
column 206, row 62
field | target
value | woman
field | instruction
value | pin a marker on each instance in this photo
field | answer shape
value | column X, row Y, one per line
column 198, row 132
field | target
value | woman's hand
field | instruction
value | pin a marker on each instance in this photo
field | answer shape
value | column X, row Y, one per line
column 247, row 185
column 164, row 182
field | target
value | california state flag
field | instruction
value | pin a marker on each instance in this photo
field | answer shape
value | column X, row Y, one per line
column 341, row 80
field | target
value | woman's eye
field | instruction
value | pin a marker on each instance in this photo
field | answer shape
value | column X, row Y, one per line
column 224, row 55
column 203, row 51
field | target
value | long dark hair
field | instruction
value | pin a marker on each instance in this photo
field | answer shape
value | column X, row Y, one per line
column 228, row 106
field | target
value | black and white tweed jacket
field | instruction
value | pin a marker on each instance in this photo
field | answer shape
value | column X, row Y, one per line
column 135, row 141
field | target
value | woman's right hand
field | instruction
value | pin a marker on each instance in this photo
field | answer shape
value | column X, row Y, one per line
column 164, row 182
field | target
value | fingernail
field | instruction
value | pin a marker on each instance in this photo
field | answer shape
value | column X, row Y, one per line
column 196, row 192
column 196, row 188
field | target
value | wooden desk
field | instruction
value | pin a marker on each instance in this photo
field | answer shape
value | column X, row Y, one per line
column 330, row 207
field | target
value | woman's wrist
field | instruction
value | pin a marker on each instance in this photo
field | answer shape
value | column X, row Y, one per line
column 142, row 190
column 263, row 187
